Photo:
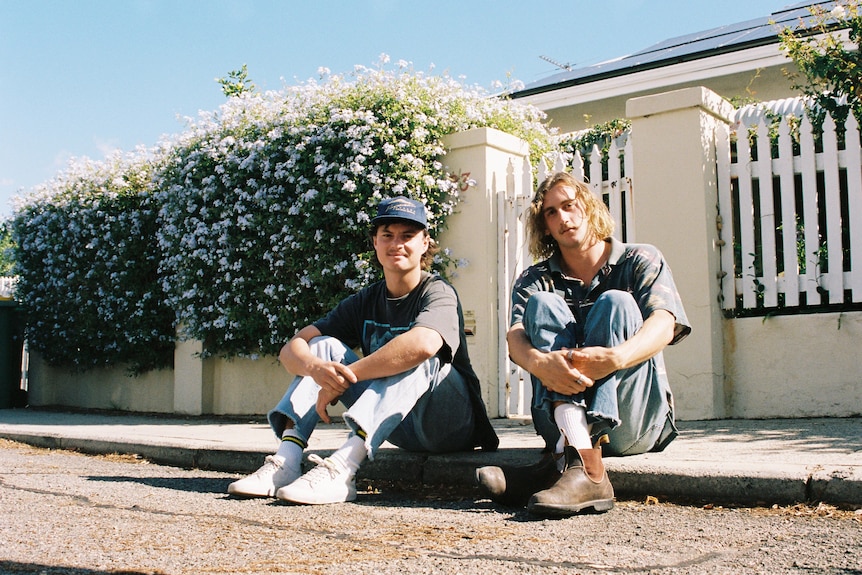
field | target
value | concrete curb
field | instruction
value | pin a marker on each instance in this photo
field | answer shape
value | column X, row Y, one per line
column 631, row 479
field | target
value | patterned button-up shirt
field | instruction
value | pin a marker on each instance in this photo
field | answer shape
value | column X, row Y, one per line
column 639, row 269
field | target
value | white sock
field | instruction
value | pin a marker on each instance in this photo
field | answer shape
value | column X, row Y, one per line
column 290, row 449
column 351, row 454
column 572, row 421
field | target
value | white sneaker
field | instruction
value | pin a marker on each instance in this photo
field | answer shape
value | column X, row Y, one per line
column 329, row 482
column 267, row 480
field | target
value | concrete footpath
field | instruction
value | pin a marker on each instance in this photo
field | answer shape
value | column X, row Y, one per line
column 746, row 461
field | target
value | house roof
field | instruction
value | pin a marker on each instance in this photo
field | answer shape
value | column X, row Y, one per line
column 716, row 41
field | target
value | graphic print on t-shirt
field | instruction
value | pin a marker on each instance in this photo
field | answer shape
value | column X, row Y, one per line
column 379, row 334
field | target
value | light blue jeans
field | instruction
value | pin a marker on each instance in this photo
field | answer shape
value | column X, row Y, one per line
column 633, row 406
column 424, row 409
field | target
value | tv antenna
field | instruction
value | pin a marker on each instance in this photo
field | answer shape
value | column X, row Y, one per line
column 566, row 67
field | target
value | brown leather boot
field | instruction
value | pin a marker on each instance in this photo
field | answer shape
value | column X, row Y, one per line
column 513, row 486
column 583, row 484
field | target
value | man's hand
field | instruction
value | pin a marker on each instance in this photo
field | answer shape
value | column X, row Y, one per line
column 557, row 372
column 333, row 378
column 594, row 362
column 325, row 398
column 599, row 362
column 555, row 369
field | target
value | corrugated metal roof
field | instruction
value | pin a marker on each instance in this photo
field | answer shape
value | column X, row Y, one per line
column 724, row 39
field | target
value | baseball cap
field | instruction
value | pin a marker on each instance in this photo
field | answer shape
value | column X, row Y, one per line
column 400, row 208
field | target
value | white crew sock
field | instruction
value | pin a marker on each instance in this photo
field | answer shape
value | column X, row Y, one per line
column 572, row 421
column 290, row 449
column 351, row 454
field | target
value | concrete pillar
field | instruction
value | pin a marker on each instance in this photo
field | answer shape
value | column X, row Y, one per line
column 675, row 205
column 494, row 161
column 193, row 379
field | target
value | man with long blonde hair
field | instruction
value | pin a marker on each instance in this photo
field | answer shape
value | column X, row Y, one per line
column 589, row 323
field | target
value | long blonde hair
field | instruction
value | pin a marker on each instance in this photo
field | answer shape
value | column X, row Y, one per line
column 542, row 245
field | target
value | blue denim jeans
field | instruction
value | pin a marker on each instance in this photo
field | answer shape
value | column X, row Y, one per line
column 633, row 406
column 424, row 409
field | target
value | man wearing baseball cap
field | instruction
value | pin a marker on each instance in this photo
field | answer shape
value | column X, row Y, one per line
column 413, row 386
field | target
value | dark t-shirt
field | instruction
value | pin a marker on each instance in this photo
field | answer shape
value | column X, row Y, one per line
column 370, row 318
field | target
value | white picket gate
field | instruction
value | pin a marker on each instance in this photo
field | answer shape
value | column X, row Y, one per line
column 616, row 190
column 790, row 214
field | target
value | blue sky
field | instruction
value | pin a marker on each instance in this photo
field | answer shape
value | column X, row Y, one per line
column 84, row 77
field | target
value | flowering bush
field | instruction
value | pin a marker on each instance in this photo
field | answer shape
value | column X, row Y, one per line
column 247, row 226
column 266, row 206
column 87, row 259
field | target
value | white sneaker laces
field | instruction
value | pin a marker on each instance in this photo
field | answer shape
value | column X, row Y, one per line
column 326, row 470
column 270, row 465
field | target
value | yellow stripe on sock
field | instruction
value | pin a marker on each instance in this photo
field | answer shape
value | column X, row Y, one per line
column 295, row 440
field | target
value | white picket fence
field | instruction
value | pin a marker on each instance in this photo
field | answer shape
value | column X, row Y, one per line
column 615, row 189
column 789, row 218
column 790, row 214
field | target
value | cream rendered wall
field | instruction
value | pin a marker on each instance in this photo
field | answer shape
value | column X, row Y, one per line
column 218, row 386
column 100, row 389
column 249, row 386
column 493, row 160
column 675, row 205
column 193, row 382
column 794, row 366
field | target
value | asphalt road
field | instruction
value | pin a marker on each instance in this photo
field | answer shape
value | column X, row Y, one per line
column 67, row 513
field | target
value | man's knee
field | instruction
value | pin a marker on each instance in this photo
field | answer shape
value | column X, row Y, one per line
column 546, row 316
column 614, row 317
column 331, row 349
column 619, row 300
column 544, row 300
column 321, row 342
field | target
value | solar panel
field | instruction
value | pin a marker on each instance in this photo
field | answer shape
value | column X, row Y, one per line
column 723, row 39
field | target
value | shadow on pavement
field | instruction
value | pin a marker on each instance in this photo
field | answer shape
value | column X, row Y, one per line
column 16, row 567
column 191, row 484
